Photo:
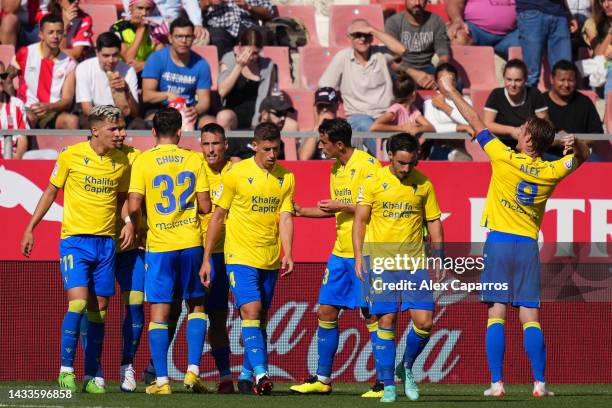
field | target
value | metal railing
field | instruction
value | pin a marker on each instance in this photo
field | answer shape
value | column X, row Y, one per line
column 8, row 133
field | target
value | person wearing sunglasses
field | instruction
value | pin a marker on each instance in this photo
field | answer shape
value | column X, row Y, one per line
column 12, row 116
column 363, row 77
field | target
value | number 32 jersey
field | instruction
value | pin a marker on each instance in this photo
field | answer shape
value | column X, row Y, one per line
column 519, row 188
column 169, row 177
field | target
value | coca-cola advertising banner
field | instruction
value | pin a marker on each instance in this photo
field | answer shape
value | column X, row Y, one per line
column 580, row 209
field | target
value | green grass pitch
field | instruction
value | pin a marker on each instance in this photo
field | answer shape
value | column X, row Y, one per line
column 344, row 395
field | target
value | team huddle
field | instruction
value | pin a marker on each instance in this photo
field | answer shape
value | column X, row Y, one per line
column 173, row 225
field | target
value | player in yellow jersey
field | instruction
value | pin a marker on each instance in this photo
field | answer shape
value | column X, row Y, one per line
column 521, row 183
column 95, row 178
column 214, row 145
column 173, row 184
column 340, row 288
column 258, row 195
column 394, row 202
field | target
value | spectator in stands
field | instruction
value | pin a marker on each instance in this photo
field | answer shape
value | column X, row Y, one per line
column 12, row 116
column 106, row 80
column 225, row 20
column 509, row 107
column 176, row 72
column 597, row 33
column 273, row 109
column 544, row 24
column 363, row 76
column 139, row 35
column 48, row 93
column 483, row 22
column 20, row 22
column 170, row 10
column 569, row 110
column 441, row 112
column 581, row 10
column 245, row 79
column 423, row 35
column 326, row 104
column 402, row 115
column 77, row 40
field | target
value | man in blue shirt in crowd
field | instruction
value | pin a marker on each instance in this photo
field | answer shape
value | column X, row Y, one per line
column 177, row 72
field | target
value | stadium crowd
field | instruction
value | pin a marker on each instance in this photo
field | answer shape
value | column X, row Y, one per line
column 212, row 59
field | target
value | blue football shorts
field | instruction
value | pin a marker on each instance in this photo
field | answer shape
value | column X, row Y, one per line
column 218, row 293
column 130, row 270
column 173, row 274
column 88, row 261
column 251, row 284
column 511, row 270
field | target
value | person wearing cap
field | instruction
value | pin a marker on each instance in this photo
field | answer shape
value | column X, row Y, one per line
column 273, row 109
column 363, row 76
column 326, row 103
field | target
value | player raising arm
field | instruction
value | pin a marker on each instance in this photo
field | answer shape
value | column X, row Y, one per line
column 258, row 193
column 521, row 183
column 394, row 202
column 95, row 178
column 173, row 183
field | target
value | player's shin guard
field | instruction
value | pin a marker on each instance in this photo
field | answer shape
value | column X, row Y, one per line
column 254, row 345
column 385, row 355
column 533, row 340
column 132, row 325
column 158, row 344
column 70, row 331
column 496, row 346
column 416, row 341
column 327, row 345
column 372, row 329
column 95, row 340
column 196, row 333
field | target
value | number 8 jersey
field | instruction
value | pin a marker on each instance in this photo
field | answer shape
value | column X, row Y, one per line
column 169, row 177
column 519, row 188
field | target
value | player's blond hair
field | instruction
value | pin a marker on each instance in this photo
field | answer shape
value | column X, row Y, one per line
column 103, row 113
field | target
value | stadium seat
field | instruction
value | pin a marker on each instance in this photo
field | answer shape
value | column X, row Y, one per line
column 340, row 16
column 58, row 142
column 474, row 149
column 7, row 52
column 396, row 5
column 103, row 15
column 141, row 143
column 479, row 99
column 306, row 14
column 118, row 4
column 544, row 84
column 40, row 154
column 191, row 143
column 313, row 61
column 422, row 95
column 280, row 56
column 591, row 94
column 209, row 53
column 438, row 9
column 303, row 102
column 476, row 65
column 290, row 148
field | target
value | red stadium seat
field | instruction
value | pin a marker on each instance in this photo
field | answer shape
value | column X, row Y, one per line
column 306, row 14
column 118, row 4
column 191, row 143
column 7, row 52
column 476, row 66
column 280, row 56
column 397, row 5
column 58, row 142
column 591, row 94
column 303, row 102
column 209, row 53
column 104, row 16
column 544, row 84
column 439, row 9
column 479, row 99
column 608, row 115
column 313, row 61
column 474, row 149
column 340, row 16
column 290, row 148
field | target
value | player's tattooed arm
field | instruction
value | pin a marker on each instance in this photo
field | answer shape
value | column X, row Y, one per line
column 204, row 203
column 128, row 232
column 448, row 90
column 362, row 216
column 46, row 200
column 436, row 234
column 578, row 147
column 285, row 227
column 334, row 206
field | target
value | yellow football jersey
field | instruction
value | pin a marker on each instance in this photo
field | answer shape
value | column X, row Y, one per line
column 214, row 178
column 90, row 184
column 131, row 154
column 255, row 198
column 519, row 187
column 344, row 182
column 169, row 177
